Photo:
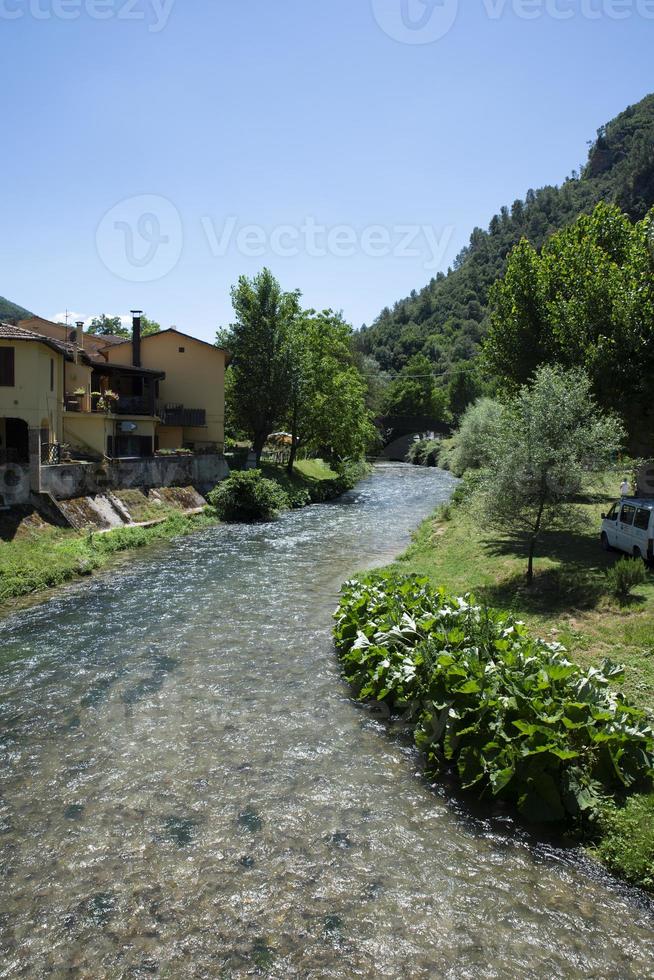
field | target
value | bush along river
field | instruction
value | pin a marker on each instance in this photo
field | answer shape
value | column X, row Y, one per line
column 189, row 791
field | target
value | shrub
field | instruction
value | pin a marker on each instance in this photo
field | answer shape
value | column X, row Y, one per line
column 628, row 843
column 473, row 442
column 424, row 452
column 508, row 713
column 624, row 576
column 248, row 496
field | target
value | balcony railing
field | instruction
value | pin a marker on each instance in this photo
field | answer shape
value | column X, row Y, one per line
column 137, row 405
column 126, row 405
column 185, row 417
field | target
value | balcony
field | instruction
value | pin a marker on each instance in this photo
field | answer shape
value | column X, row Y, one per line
column 184, row 417
column 134, row 405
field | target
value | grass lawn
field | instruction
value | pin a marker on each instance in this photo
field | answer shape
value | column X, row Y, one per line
column 569, row 600
column 305, row 472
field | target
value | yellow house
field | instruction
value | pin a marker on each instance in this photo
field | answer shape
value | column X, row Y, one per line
column 191, row 397
column 108, row 409
column 31, row 391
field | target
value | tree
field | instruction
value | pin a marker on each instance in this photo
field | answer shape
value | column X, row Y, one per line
column 586, row 301
column 549, row 436
column 259, row 342
column 474, row 439
column 149, row 326
column 415, row 392
column 327, row 405
column 464, row 388
column 104, row 325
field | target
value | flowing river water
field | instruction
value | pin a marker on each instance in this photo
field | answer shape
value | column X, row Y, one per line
column 187, row 790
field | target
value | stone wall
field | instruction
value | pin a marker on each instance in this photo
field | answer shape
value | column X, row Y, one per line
column 84, row 479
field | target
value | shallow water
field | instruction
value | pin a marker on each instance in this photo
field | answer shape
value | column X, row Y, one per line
column 188, row 792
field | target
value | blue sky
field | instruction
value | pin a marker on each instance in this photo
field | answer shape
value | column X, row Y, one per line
column 153, row 155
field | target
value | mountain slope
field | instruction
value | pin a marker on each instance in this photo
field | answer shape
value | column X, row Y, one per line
column 447, row 319
column 10, row 312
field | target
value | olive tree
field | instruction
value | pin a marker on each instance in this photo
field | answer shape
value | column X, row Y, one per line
column 549, row 435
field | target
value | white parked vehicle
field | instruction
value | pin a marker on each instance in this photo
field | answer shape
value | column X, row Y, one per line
column 629, row 527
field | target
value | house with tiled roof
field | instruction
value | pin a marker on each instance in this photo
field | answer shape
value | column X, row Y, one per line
column 70, row 399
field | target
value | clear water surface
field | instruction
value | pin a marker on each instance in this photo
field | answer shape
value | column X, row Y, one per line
column 187, row 790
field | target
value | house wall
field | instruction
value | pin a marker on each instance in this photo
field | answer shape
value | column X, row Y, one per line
column 31, row 398
column 170, row 436
column 194, row 379
column 77, row 376
column 89, row 431
column 47, row 328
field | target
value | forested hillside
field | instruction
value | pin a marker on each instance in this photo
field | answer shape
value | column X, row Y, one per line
column 446, row 320
column 10, row 312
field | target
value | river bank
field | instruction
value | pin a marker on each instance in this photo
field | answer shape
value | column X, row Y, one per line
column 568, row 604
column 36, row 556
column 178, row 735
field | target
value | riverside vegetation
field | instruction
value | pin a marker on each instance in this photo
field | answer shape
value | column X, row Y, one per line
column 494, row 669
column 514, row 717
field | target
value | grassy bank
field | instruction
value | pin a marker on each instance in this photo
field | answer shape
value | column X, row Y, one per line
column 569, row 602
column 41, row 557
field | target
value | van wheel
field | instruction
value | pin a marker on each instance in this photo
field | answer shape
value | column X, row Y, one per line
column 605, row 542
column 638, row 554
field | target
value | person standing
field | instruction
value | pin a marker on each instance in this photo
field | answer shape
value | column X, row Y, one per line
column 625, row 488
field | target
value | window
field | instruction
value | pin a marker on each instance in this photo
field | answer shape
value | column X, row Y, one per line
column 613, row 513
column 642, row 518
column 182, row 350
column 7, row 362
column 52, row 374
column 628, row 514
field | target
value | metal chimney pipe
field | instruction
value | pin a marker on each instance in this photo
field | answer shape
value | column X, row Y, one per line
column 136, row 337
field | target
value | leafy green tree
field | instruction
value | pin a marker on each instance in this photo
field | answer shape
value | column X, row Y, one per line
column 104, row 325
column 149, row 326
column 549, row 436
column 464, row 388
column 259, row 342
column 415, row 392
column 327, row 406
column 586, row 301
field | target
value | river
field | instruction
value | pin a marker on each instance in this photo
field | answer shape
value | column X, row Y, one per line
column 187, row 790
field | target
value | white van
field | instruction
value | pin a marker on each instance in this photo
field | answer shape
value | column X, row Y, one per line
column 629, row 527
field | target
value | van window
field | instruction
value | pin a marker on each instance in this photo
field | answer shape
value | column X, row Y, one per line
column 613, row 513
column 642, row 519
column 628, row 514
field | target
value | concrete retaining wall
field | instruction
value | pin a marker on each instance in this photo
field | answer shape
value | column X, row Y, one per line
column 14, row 484
column 83, row 479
